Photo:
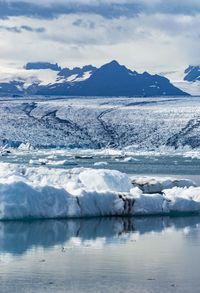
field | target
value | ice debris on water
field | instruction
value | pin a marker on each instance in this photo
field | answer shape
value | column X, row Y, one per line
column 100, row 164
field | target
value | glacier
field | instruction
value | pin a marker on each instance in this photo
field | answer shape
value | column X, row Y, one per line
column 117, row 123
column 44, row 193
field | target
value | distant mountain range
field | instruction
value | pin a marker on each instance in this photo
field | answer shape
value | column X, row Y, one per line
column 188, row 80
column 111, row 79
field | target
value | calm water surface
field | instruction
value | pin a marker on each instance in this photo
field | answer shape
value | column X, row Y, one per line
column 101, row 255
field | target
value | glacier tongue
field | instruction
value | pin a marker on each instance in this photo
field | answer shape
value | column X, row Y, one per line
column 53, row 193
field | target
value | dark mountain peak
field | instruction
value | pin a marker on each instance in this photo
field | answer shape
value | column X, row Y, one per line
column 79, row 71
column 192, row 67
column 112, row 70
column 83, row 69
column 146, row 74
column 111, row 79
column 192, row 73
column 42, row 65
column 89, row 68
column 113, row 65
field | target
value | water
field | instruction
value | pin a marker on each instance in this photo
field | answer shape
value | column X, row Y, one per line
column 101, row 255
column 185, row 165
column 147, row 255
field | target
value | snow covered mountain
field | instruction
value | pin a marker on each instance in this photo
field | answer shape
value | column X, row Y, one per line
column 11, row 88
column 192, row 73
column 112, row 79
column 187, row 80
column 77, row 74
column 33, row 75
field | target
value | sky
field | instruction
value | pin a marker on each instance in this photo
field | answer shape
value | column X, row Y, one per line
column 153, row 35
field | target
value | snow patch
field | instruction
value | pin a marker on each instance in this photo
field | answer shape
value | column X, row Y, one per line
column 101, row 180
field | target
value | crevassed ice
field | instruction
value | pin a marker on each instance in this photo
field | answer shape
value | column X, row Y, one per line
column 27, row 192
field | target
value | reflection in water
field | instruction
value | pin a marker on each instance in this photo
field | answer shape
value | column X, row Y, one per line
column 18, row 237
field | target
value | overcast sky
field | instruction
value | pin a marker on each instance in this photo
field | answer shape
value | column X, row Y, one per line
column 154, row 35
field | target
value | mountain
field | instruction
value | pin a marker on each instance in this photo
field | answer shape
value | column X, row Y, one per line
column 11, row 88
column 77, row 72
column 111, row 79
column 192, row 73
column 188, row 80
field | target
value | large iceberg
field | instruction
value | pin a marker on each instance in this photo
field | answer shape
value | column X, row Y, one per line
column 28, row 192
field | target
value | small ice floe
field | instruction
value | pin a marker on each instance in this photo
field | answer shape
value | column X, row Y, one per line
column 83, row 157
column 129, row 160
column 157, row 185
column 118, row 157
column 100, row 164
column 52, row 157
column 80, row 157
column 41, row 162
column 5, row 153
column 62, row 163
column 25, row 147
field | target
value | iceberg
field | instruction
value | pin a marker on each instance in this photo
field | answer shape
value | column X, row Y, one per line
column 158, row 184
column 42, row 192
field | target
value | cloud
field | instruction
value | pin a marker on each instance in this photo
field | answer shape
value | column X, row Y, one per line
column 149, row 42
column 154, row 35
column 21, row 29
column 106, row 8
column 48, row 9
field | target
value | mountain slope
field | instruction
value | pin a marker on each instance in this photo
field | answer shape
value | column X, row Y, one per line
column 113, row 79
column 192, row 73
column 11, row 88
column 77, row 73
column 187, row 80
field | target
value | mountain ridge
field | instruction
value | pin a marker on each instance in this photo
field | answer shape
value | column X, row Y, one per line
column 111, row 79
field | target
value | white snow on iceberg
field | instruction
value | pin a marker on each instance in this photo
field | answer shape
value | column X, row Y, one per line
column 41, row 192
column 158, row 184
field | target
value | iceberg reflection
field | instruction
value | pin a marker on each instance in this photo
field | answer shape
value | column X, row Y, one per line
column 18, row 237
